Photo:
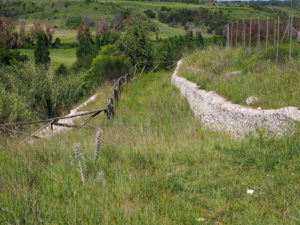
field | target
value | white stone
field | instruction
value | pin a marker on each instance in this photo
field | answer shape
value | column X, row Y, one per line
column 219, row 114
column 250, row 192
column 233, row 73
column 252, row 100
column 200, row 219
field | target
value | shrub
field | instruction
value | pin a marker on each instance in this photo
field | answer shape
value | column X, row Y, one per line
column 73, row 22
column 37, row 92
column 136, row 43
column 86, row 49
column 8, row 57
column 57, row 43
column 61, row 70
column 107, row 67
column 150, row 13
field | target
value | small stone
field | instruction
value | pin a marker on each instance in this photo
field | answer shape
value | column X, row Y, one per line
column 233, row 73
column 250, row 192
column 200, row 219
column 251, row 100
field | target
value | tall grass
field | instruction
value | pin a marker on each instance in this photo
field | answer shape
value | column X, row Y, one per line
column 275, row 84
column 30, row 93
column 160, row 165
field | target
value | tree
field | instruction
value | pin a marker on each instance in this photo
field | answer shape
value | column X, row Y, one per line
column 41, row 52
column 86, row 50
column 199, row 40
column 136, row 43
column 61, row 70
column 56, row 43
column 8, row 36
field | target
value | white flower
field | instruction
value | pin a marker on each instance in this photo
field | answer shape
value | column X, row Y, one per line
column 250, row 192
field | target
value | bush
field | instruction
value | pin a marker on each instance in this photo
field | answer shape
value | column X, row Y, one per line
column 107, row 67
column 61, row 70
column 8, row 57
column 73, row 22
column 150, row 13
column 30, row 93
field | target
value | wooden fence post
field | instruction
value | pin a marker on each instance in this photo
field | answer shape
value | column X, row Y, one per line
column 277, row 47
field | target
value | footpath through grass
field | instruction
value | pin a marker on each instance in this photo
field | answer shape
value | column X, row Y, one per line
column 275, row 84
column 157, row 166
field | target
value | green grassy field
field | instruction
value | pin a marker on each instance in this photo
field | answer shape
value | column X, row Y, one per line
column 157, row 166
column 275, row 84
column 58, row 56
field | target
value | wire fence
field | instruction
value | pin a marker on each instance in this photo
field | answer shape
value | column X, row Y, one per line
column 266, row 34
column 109, row 109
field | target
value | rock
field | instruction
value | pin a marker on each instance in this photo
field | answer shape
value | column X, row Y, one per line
column 233, row 73
column 250, row 192
column 252, row 100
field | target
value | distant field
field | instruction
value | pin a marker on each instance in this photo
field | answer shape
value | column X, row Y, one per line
column 58, row 56
column 66, row 36
column 275, row 84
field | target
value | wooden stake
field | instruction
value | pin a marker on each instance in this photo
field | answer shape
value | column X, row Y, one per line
column 291, row 35
column 277, row 48
column 258, row 35
column 250, row 33
column 244, row 31
column 275, row 28
column 236, row 34
column 231, row 36
column 267, row 35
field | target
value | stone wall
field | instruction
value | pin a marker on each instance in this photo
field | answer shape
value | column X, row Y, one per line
column 219, row 114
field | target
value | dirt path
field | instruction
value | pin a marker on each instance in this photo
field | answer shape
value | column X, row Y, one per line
column 48, row 132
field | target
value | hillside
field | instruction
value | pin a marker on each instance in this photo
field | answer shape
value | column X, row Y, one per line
column 151, row 154
column 157, row 166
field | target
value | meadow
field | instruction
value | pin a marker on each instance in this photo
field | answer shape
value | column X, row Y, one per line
column 157, row 165
column 58, row 56
column 275, row 84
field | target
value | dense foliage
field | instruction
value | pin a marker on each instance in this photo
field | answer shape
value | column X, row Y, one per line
column 41, row 52
column 16, row 8
column 30, row 93
column 107, row 67
column 214, row 20
column 86, row 50
column 8, row 57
